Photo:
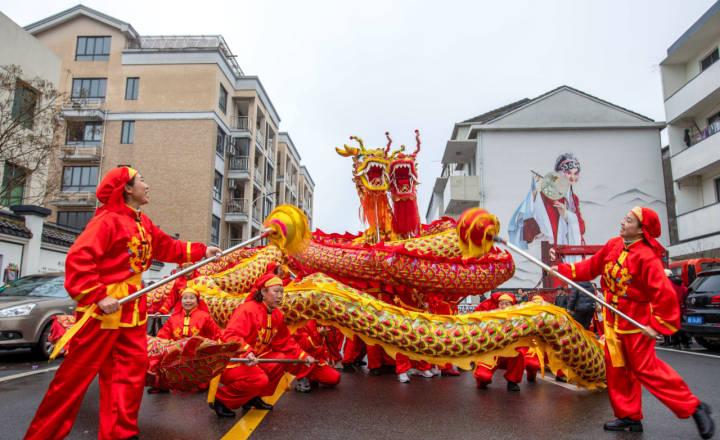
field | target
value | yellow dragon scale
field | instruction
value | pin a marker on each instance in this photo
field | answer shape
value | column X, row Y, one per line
column 459, row 339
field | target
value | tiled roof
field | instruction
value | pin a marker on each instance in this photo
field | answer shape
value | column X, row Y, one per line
column 11, row 224
column 492, row 114
column 54, row 234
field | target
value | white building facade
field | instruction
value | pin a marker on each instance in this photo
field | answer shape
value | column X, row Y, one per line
column 691, row 91
column 492, row 161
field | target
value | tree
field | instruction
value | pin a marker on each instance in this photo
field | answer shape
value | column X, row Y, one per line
column 30, row 125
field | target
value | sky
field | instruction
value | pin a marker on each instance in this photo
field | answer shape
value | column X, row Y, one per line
column 335, row 68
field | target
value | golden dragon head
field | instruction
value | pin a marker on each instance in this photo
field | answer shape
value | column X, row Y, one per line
column 370, row 166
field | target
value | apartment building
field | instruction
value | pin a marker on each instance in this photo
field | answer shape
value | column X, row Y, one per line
column 292, row 182
column 306, row 190
column 504, row 160
column 178, row 108
column 691, row 91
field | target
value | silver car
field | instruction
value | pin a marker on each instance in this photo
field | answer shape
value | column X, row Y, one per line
column 27, row 306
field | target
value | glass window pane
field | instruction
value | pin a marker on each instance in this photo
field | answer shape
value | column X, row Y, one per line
column 131, row 130
column 90, row 48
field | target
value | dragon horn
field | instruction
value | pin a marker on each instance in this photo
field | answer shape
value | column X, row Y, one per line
column 359, row 141
column 397, row 152
column 347, row 151
column 417, row 139
column 387, row 149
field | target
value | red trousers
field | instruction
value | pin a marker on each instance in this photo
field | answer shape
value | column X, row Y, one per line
column 514, row 368
column 322, row 374
column 354, row 350
column 532, row 366
column 120, row 357
column 242, row 383
column 377, row 358
column 642, row 367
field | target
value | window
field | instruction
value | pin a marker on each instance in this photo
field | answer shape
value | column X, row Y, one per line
column 223, row 99
column 74, row 219
column 717, row 189
column 83, row 132
column 128, row 132
column 220, row 142
column 217, row 186
column 132, row 86
column 24, row 103
column 92, row 48
column 13, row 185
column 709, row 60
column 93, row 88
column 215, row 233
column 79, row 179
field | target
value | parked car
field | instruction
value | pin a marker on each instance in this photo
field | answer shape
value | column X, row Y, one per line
column 27, row 306
column 702, row 317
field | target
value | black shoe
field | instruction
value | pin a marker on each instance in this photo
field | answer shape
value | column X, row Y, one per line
column 257, row 403
column 153, row 390
column 531, row 379
column 375, row 371
column 222, row 410
column 705, row 423
column 624, row 425
column 348, row 368
column 512, row 386
column 483, row 386
column 560, row 379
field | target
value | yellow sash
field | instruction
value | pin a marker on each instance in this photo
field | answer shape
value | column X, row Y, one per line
column 110, row 321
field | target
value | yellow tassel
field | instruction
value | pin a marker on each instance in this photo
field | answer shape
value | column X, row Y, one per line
column 212, row 389
column 71, row 332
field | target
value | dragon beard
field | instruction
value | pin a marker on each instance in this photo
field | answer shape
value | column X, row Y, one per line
column 405, row 217
column 375, row 211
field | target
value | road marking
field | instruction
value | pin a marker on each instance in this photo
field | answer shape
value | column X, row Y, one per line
column 688, row 352
column 251, row 420
column 27, row 373
column 568, row 386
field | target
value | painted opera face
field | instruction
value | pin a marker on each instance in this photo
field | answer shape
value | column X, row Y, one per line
column 569, row 166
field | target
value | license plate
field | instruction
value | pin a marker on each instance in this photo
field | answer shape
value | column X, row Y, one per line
column 697, row 320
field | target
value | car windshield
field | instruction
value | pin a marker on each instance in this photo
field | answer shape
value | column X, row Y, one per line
column 44, row 286
column 708, row 284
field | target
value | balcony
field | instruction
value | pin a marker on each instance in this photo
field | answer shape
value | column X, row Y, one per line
column 461, row 193
column 694, row 160
column 235, row 241
column 269, row 185
column 699, row 222
column 239, row 167
column 241, row 123
column 237, row 210
column 83, row 109
column 459, row 151
column 258, row 177
column 257, row 213
column 260, row 138
column 699, row 93
column 84, row 152
column 78, row 199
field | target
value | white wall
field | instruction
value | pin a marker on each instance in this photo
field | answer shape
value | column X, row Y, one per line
column 52, row 260
column 10, row 253
column 620, row 169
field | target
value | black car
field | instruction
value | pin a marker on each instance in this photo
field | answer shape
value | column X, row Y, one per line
column 702, row 317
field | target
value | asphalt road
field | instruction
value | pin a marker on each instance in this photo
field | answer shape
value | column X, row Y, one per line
column 382, row 408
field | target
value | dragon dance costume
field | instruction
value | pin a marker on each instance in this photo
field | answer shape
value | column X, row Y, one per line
column 107, row 259
column 263, row 333
column 634, row 282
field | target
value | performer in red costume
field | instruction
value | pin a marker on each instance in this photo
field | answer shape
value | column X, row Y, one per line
column 514, row 366
column 634, row 282
column 105, row 264
column 171, row 303
column 190, row 320
column 258, row 324
column 313, row 340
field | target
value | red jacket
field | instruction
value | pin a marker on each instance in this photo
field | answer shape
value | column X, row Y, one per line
column 318, row 346
column 118, row 246
column 633, row 280
column 492, row 302
column 183, row 325
column 260, row 331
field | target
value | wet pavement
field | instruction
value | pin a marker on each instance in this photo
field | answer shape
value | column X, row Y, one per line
column 382, row 408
